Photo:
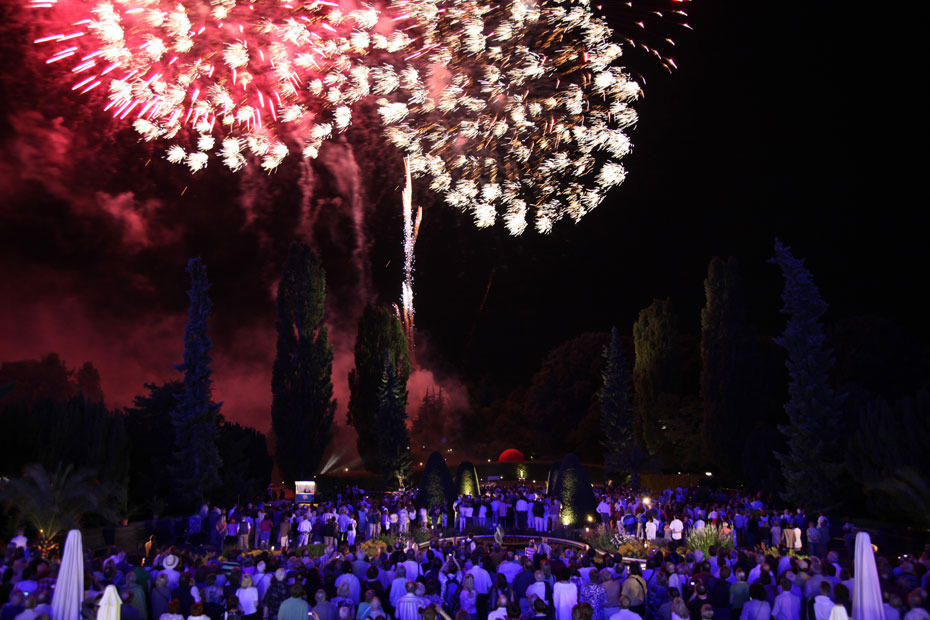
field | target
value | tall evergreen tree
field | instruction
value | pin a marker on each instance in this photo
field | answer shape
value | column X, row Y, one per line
column 466, row 480
column 575, row 493
column 811, row 465
column 656, row 371
column 391, row 422
column 729, row 365
column 616, row 403
column 436, row 488
column 151, row 437
column 247, row 465
column 197, row 463
column 302, row 404
column 428, row 428
column 378, row 331
column 623, row 450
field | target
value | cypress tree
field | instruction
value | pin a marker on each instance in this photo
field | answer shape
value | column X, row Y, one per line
column 466, row 480
column 391, row 423
column 729, row 365
column 552, row 482
column 196, row 457
column 436, row 488
column 302, row 404
column 656, row 370
column 379, row 331
column 616, row 406
column 811, row 464
column 574, row 492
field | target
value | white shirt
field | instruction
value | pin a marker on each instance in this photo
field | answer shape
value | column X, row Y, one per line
column 538, row 588
column 651, row 527
column 626, row 614
column 823, row 605
column 20, row 541
column 564, row 597
column 248, row 600
column 676, row 527
column 408, row 607
column 482, row 579
column 498, row 614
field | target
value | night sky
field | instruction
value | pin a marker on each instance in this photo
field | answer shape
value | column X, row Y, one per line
column 785, row 119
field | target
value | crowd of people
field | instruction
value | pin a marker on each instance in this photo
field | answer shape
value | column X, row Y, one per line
column 253, row 562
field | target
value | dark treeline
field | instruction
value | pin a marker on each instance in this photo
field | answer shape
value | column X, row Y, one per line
column 129, row 450
column 731, row 401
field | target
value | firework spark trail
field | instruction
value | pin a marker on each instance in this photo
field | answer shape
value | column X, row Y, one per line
column 231, row 79
column 513, row 109
column 411, row 230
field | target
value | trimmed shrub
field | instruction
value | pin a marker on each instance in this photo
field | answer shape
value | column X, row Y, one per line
column 466, row 480
column 574, row 492
column 552, row 483
column 436, row 488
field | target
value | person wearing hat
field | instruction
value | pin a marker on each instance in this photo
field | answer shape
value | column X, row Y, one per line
column 170, row 565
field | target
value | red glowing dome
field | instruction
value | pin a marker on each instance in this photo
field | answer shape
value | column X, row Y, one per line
column 511, row 455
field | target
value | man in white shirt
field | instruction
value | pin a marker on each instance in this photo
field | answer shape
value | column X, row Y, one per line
column 521, row 508
column 411, row 566
column 676, row 527
column 823, row 604
column 651, row 528
column 787, row 604
column 500, row 613
column 20, row 540
column 398, row 585
column 603, row 509
column 304, row 528
column 483, row 581
column 756, row 571
column 538, row 588
column 408, row 605
column 509, row 568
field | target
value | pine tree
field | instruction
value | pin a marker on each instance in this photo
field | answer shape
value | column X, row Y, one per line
column 302, row 405
column 196, row 458
column 391, row 423
column 378, row 331
column 729, row 366
column 811, row 464
column 616, row 405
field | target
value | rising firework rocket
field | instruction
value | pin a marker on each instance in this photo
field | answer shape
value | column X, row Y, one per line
column 411, row 230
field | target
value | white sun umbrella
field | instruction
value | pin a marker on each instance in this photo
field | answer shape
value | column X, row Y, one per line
column 69, row 588
column 867, row 593
column 109, row 604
